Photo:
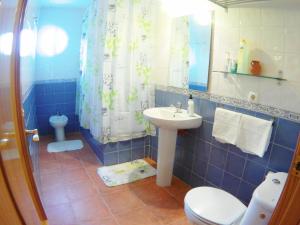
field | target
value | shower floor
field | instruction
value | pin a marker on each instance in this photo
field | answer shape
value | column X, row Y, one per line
column 73, row 193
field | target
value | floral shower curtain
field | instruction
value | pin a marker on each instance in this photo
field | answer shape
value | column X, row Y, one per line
column 116, row 65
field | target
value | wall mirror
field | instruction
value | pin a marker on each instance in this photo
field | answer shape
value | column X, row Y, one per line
column 190, row 51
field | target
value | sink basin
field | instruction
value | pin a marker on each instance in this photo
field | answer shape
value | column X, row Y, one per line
column 167, row 117
column 169, row 121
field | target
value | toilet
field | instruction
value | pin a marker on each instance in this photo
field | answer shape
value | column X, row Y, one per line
column 213, row 206
column 58, row 122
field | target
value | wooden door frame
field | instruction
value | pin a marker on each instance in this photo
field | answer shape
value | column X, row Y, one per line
column 7, row 192
column 16, row 102
column 287, row 211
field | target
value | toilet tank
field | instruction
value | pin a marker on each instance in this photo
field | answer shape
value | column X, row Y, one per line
column 264, row 200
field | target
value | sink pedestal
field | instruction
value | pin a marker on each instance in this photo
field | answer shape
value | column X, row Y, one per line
column 165, row 156
column 169, row 121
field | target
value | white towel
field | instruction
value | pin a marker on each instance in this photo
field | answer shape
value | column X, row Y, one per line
column 226, row 126
column 254, row 135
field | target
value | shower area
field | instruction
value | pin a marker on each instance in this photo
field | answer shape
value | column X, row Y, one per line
column 115, row 86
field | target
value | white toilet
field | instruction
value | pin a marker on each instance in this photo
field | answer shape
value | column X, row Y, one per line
column 212, row 206
column 58, row 122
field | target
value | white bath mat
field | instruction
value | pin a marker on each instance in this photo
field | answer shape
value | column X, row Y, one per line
column 126, row 172
column 62, row 146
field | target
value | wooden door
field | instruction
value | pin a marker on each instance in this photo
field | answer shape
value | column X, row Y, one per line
column 20, row 202
column 287, row 211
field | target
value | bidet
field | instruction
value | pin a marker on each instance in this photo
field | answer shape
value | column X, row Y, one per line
column 58, row 122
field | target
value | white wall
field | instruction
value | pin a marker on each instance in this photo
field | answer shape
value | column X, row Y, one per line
column 275, row 36
column 28, row 62
column 66, row 64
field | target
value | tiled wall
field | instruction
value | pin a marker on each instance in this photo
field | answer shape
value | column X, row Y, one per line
column 119, row 152
column 273, row 36
column 201, row 160
column 29, row 106
column 53, row 97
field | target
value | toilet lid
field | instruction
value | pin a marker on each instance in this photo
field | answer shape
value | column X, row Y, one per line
column 214, row 205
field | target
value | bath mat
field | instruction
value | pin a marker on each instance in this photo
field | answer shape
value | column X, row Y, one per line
column 126, row 172
column 62, row 146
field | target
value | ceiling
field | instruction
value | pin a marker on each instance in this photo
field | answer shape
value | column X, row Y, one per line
column 64, row 3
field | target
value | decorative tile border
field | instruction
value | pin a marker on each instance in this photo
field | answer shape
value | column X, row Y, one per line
column 269, row 110
column 55, row 81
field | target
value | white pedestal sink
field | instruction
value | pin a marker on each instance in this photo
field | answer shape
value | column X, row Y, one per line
column 169, row 121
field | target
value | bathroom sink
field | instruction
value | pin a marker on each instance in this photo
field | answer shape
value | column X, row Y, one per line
column 168, row 118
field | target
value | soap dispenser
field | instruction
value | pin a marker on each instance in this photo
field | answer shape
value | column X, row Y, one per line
column 191, row 107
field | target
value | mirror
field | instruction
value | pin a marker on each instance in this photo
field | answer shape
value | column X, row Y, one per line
column 190, row 51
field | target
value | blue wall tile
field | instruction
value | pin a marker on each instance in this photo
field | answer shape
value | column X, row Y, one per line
column 219, row 144
column 205, row 131
column 207, row 110
column 118, row 152
column 265, row 159
column 226, row 166
column 159, row 98
column 214, row 175
column 29, row 106
column 218, row 157
column 196, row 181
column 182, row 172
column 287, row 133
column 281, row 158
column 55, row 97
column 245, row 191
column 110, row 158
column 138, row 153
column 123, row 145
column 125, row 156
column 202, row 150
column 235, row 164
column 230, row 183
column 154, row 153
column 154, row 141
column 254, row 173
column 187, row 158
column 200, row 167
column 237, row 151
column 138, row 142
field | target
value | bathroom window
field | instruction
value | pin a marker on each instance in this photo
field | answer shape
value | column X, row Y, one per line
column 52, row 41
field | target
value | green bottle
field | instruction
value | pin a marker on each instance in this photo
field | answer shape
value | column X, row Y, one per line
column 243, row 58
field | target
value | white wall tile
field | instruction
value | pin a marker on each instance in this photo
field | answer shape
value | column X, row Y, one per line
column 275, row 42
column 252, row 35
column 272, row 17
column 292, row 40
column 272, row 62
column 272, row 38
column 250, row 17
column 292, row 18
column 291, row 69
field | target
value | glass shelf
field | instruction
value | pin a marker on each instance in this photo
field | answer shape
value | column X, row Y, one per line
column 251, row 75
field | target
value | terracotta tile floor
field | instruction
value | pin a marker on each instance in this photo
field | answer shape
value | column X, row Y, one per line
column 73, row 193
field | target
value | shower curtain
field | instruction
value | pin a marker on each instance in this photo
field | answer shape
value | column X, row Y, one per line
column 116, row 67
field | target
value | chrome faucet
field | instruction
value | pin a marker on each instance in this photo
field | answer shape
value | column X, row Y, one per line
column 178, row 107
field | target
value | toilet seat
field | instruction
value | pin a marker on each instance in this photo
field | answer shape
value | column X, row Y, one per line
column 194, row 217
column 214, row 206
